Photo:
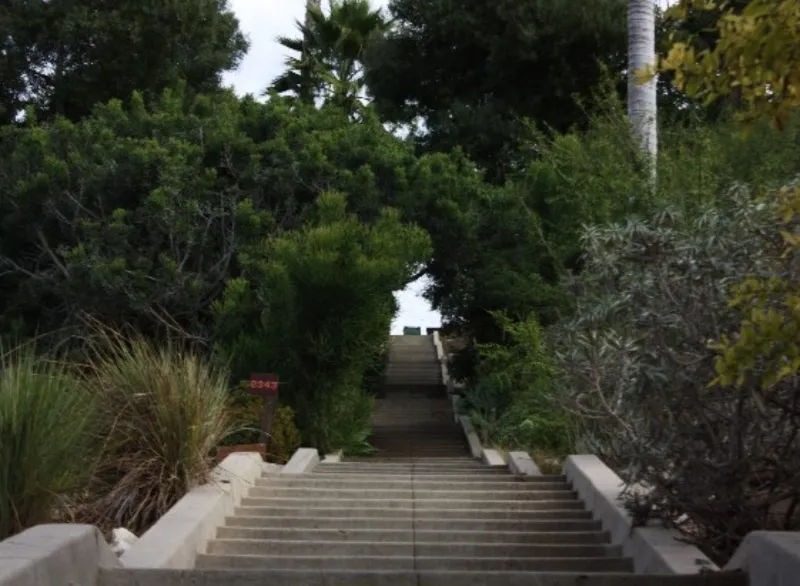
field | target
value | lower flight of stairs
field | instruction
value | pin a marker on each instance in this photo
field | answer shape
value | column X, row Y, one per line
column 411, row 516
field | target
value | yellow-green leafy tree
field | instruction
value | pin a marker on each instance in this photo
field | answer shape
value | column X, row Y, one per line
column 757, row 61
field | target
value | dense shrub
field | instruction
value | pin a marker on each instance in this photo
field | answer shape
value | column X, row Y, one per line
column 165, row 411
column 512, row 405
column 284, row 436
column 719, row 461
column 505, row 249
column 245, row 413
column 766, row 350
column 49, row 442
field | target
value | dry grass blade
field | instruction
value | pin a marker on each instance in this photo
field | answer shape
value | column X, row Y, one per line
column 166, row 410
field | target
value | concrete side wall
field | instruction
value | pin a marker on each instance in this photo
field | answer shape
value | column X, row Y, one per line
column 521, row 464
column 448, row 382
column 654, row 549
column 488, row 456
column 771, row 558
column 46, row 555
column 183, row 532
column 303, row 461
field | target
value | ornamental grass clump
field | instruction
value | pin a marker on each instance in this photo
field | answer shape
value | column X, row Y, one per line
column 49, row 445
column 166, row 412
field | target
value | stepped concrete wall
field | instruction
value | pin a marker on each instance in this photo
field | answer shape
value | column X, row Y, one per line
column 654, row 549
column 770, row 558
column 176, row 539
column 50, row 555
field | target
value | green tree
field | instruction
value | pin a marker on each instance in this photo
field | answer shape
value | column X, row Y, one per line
column 137, row 215
column 131, row 215
column 330, row 51
column 470, row 69
column 316, row 306
column 754, row 60
column 64, row 56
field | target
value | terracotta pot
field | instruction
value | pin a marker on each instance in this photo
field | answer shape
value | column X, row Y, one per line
column 224, row 451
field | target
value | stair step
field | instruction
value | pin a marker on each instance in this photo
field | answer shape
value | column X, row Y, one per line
column 405, row 451
column 480, row 474
column 382, row 467
column 411, row 536
column 420, row 462
column 453, row 442
column 417, row 478
column 335, row 511
column 248, row 576
column 399, row 524
column 410, row 548
column 454, row 439
column 409, row 563
column 416, row 494
column 419, row 504
column 512, row 483
column 377, row 466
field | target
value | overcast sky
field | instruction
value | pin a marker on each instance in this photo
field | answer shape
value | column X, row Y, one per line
column 262, row 21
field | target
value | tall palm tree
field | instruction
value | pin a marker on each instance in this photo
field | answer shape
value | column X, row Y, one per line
column 311, row 5
column 330, row 50
column 642, row 57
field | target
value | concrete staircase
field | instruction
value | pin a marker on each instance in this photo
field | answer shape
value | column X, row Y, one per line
column 421, row 513
column 421, row 506
column 412, row 515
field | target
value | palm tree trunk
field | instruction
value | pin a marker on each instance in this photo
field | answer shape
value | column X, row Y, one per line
column 641, row 56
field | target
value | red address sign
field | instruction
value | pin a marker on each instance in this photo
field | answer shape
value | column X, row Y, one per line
column 264, row 384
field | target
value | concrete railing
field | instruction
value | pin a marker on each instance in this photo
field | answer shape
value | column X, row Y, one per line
column 489, row 456
column 654, row 548
column 183, row 532
column 50, row 555
column 61, row 554
column 176, row 539
column 770, row 558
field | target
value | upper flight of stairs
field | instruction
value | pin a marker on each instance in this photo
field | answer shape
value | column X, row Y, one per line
column 413, row 417
column 413, row 363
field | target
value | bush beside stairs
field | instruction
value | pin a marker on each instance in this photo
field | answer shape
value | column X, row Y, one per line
column 419, row 512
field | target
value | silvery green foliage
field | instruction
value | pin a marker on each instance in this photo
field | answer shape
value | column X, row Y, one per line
column 636, row 365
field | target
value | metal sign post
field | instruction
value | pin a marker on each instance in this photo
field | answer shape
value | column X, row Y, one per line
column 265, row 385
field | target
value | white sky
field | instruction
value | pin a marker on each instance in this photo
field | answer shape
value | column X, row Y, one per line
column 262, row 21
